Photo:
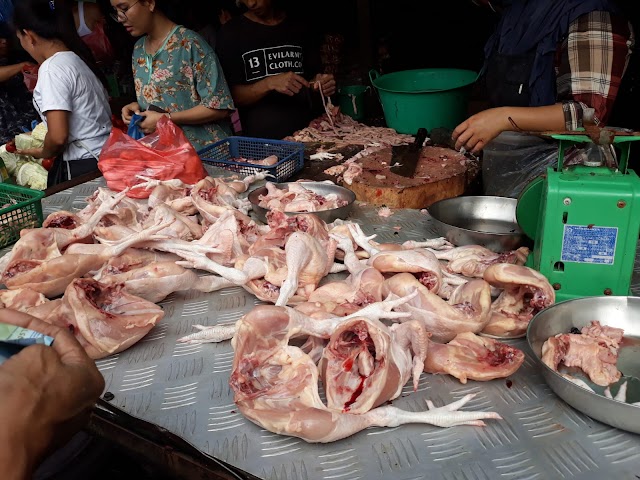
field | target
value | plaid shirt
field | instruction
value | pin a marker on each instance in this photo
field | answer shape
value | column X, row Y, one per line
column 591, row 62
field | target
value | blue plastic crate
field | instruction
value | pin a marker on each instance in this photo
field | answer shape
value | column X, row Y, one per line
column 290, row 156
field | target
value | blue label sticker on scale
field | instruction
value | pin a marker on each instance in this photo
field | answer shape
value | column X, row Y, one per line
column 582, row 244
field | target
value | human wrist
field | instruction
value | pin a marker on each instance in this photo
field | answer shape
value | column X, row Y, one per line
column 506, row 119
column 23, row 441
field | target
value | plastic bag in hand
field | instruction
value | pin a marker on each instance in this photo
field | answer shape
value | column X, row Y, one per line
column 164, row 155
column 134, row 130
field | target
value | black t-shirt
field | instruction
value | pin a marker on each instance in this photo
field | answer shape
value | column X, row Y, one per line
column 250, row 51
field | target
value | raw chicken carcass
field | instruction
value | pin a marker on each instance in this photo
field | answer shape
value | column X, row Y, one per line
column 51, row 277
column 281, row 226
column 469, row 356
column 525, row 292
column 275, row 384
column 296, row 198
column 467, row 310
column 308, row 262
column 349, row 296
column 41, row 244
column 422, row 264
column 594, row 350
column 473, row 260
column 21, row 299
column 154, row 282
column 367, row 363
column 62, row 219
column 105, row 319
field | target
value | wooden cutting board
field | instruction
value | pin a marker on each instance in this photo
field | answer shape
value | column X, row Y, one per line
column 441, row 173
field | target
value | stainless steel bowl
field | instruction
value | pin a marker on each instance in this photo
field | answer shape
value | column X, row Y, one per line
column 317, row 187
column 619, row 312
column 486, row 221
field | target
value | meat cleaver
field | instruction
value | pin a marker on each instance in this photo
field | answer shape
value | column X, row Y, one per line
column 405, row 157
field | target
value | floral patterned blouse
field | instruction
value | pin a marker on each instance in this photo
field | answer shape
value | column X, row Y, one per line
column 182, row 74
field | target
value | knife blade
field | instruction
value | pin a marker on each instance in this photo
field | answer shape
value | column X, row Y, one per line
column 405, row 157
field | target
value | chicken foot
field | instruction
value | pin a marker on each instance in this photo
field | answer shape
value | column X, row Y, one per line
column 378, row 310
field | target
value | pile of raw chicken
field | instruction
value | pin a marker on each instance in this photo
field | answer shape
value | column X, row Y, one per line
column 402, row 309
column 297, row 199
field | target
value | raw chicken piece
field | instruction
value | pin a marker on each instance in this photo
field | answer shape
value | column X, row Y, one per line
column 156, row 281
column 104, row 319
column 422, row 264
column 296, row 198
column 21, row 299
column 281, row 226
column 366, row 363
column 178, row 225
column 473, row 260
column 46, row 243
column 469, row 356
column 594, row 350
column 467, row 310
column 131, row 259
column 265, row 162
column 372, row 248
column 221, row 332
column 308, row 262
column 349, row 296
column 525, row 292
column 62, row 219
column 51, row 277
column 173, row 193
column 266, row 269
column 276, row 385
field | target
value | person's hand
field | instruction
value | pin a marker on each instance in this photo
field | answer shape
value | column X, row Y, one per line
column 150, row 120
column 48, row 393
column 32, row 152
column 327, row 81
column 28, row 64
column 287, row 83
column 474, row 133
column 128, row 111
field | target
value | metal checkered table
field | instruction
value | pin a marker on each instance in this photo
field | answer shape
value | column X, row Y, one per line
column 184, row 389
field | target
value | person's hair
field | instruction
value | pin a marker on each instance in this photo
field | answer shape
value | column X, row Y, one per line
column 53, row 20
column 171, row 10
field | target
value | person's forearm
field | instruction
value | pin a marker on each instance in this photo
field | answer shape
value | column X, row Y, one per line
column 9, row 71
column 198, row 115
column 14, row 458
column 244, row 95
column 535, row 119
column 53, row 147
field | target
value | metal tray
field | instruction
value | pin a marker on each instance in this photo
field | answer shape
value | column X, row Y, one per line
column 487, row 221
column 619, row 312
column 184, row 389
column 319, row 188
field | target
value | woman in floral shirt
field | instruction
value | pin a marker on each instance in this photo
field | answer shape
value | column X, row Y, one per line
column 175, row 72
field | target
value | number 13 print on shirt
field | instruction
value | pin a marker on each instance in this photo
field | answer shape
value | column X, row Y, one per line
column 272, row 61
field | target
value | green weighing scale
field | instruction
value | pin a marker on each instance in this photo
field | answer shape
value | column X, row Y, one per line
column 585, row 222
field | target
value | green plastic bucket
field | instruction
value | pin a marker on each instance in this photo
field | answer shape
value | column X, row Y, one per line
column 351, row 100
column 429, row 98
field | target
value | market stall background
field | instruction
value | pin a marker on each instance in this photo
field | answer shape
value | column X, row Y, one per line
column 184, row 389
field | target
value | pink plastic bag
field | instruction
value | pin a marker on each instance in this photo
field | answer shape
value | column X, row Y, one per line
column 163, row 155
column 30, row 74
column 99, row 44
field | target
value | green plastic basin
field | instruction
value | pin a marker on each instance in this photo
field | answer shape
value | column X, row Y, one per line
column 429, row 98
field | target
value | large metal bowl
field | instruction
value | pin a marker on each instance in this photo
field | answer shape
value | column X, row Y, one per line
column 619, row 312
column 317, row 187
column 486, row 221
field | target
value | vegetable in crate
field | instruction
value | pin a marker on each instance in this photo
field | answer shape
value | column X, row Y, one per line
column 31, row 174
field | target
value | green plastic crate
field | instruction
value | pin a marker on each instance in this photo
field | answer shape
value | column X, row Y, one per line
column 21, row 208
